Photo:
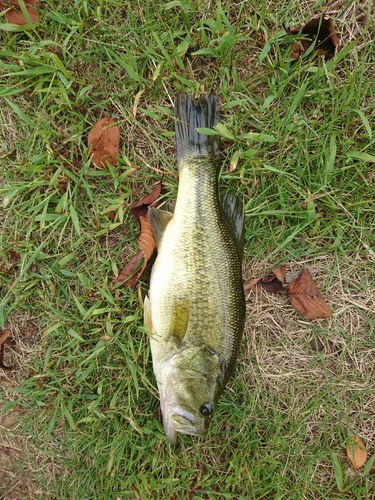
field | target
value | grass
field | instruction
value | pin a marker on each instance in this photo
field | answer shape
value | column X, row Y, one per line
column 300, row 133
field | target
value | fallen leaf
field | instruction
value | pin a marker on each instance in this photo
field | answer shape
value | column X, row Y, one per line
column 305, row 297
column 134, row 269
column 4, row 335
column 129, row 273
column 146, row 240
column 289, row 277
column 272, row 284
column 279, row 272
column 104, row 142
column 14, row 13
column 356, row 451
column 140, row 209
column 319, row 29
column 252, row 285
column 5, row 338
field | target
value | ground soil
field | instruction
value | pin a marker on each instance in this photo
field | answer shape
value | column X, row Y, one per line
column 15, row 483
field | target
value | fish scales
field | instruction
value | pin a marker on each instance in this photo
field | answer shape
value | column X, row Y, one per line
column 198, row 260
column 195, row 308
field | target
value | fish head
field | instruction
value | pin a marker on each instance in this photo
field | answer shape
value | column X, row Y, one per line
column 189, row 386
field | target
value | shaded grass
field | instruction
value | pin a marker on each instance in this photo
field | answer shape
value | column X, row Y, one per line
column 292, row 128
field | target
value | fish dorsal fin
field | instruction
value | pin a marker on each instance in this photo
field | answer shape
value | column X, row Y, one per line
column 147, row 318
column 232, row 213
column 159, row 220
column 180, row 320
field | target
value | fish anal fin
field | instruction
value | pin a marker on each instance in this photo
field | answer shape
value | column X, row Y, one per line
column 159, row 220
column 180, row 320
column 233, row 215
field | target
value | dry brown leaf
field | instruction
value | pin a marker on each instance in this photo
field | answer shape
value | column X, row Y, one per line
column 140, row 209
column 146, row 240
column 134, row 269
column 4, row 335
column 5, row 338
column 104, row 142
column 356, row 451
column 279, row 272
column 15, row 15
column 323, row 30
column 289, row 277
column 252, row 285
column 306, row 298
column 272, row 284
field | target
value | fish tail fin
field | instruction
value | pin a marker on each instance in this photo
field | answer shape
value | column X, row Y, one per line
column 189, row 117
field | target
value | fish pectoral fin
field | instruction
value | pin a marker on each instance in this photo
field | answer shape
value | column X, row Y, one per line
column 159, row 220
column 233, row 215
column 180, row 320
column 147, row 317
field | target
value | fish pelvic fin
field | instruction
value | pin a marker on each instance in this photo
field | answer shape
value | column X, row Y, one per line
column 190, row 116
column 147, row 313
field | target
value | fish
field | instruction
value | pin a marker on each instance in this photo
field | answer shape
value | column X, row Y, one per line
column 195, row 307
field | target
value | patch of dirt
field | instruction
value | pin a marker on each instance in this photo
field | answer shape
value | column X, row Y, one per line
column 15, row 483
column 17, row 455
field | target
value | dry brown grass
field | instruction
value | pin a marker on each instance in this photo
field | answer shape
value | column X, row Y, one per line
column 342, row 366
column 16, row 482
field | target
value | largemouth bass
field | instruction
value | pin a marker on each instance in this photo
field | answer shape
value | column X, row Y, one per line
column 196, row 307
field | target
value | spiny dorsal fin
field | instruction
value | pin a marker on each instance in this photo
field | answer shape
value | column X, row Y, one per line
column 233, row 215
column 180, row 320
column 159, row 220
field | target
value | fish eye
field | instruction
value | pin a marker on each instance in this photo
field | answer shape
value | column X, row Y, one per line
column 205, row 410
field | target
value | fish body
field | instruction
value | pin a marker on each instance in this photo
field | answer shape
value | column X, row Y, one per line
column 196, row 306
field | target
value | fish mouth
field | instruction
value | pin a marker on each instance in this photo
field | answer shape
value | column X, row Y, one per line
column 172, row 433
column 191, row 432
column 181, row 420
